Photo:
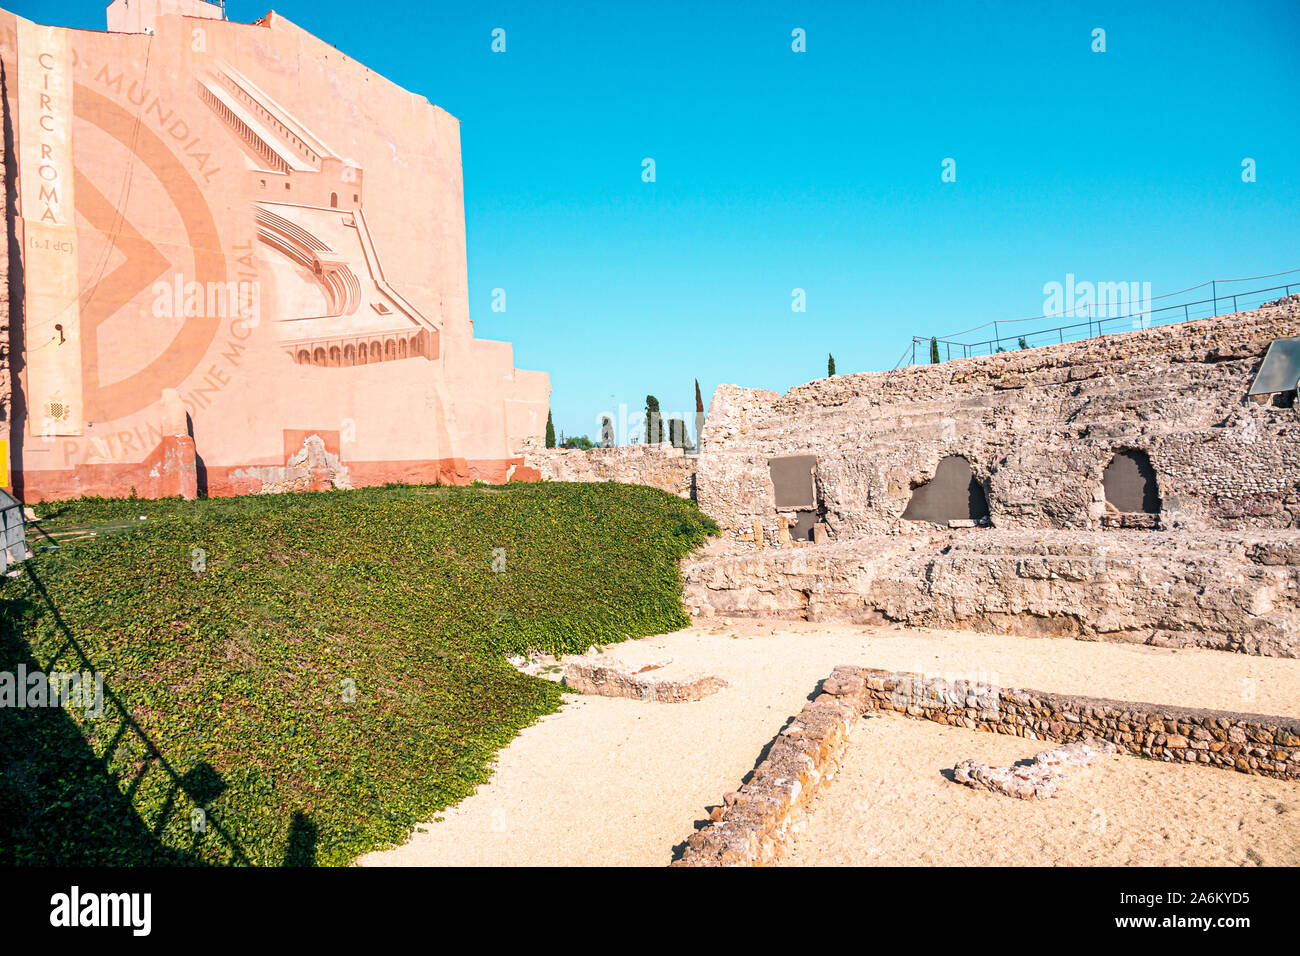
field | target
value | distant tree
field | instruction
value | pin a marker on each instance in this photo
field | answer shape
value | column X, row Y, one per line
column 678, row 435
column 830, row 365
column 934, row 351
column 1023, row 343
column 606, row 432
column 653, row 426
column 550, row 431
column 699, row 414
column 581, row 442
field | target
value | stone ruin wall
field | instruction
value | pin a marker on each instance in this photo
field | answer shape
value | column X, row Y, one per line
column 1038, row 427
column 757, row 824
column 1232, row 591
column 658, row 465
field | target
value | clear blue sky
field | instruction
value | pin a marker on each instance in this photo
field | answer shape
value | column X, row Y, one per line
column 821, row 170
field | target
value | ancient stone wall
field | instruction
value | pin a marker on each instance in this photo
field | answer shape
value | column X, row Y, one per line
column 619, row 680
column 1226, row 590
column 1251, row 743
column 657, row 465
column 1038, row 427
column 756, row 824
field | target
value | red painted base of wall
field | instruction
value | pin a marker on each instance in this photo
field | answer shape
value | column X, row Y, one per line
column 172, row 470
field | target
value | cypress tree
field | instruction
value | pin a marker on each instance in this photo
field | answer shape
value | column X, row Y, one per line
column 830, row 365
column 653, row 428
column 934, row 351
column 678, row 436
column 550, row 431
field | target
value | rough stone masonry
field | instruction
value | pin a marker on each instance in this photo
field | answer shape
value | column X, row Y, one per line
column 756, row 824
column 1038, row 428
column 1215, row 562
column 657, row 465
column 1234, row 591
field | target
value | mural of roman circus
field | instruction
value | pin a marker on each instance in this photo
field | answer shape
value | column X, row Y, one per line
column 223, row 228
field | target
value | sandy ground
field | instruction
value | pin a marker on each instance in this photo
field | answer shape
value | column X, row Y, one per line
column 614, row 781
column 892, row 805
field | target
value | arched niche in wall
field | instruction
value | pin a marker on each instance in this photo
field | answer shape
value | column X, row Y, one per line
column 1130, row 483
column 952, row 494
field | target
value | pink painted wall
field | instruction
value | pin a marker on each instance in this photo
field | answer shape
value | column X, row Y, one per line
column 213, row 152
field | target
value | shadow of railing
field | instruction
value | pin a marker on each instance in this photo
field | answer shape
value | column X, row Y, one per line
column 53, row 777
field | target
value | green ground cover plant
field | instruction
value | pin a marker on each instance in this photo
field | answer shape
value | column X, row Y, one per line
column 312, row 673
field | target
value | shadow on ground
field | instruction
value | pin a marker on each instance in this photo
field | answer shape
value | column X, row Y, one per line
column 62, row 804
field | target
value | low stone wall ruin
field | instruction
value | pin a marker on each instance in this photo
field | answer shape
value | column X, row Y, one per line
column 619, row 680
column 1251, row 743
column 1041, row 778
column 1225, row 590
column 758, row 822
column 657, row 465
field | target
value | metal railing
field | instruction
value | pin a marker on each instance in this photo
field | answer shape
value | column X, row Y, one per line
column 1093, row 326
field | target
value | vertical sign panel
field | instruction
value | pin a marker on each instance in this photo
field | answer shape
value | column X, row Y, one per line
column 52, row 315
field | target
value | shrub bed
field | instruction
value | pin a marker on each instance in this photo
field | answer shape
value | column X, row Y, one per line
column 314, row 672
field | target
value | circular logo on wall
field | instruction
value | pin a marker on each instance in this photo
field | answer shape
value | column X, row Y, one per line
column 140, row 262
